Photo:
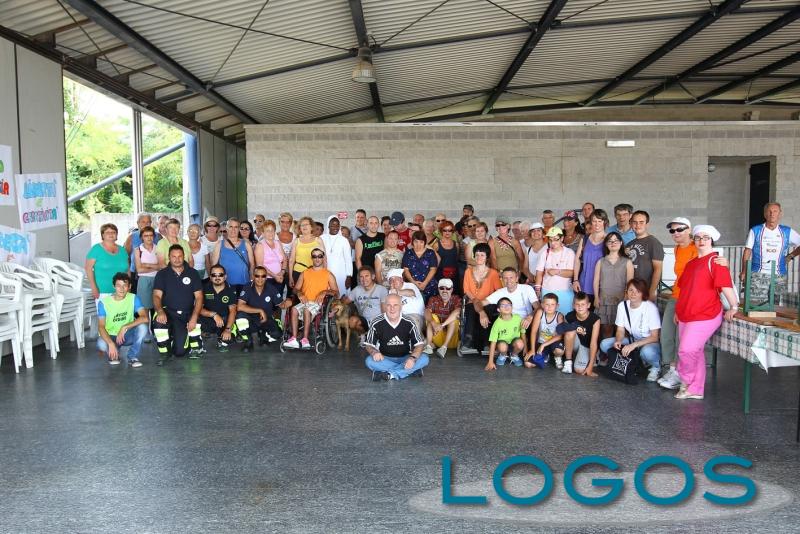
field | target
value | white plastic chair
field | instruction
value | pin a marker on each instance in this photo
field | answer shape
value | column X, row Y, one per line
column 90, row 304
column 41, row 306
column 10, row 317
column 69, row 284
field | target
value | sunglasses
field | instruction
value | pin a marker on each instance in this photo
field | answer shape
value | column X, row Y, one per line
column 212, row 225
column 439, row 220
column 318, row 256
column 259, row 276
column 445, row 288
column 217, row 275
column 500, row 225
column 244, row 229
column 678, row 230
column 471, row 226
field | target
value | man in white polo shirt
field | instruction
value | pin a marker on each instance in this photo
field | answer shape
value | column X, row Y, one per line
column 523, row 298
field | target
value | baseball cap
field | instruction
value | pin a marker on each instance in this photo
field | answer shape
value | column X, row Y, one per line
column 536, row 225
column 445, row 282
column 554, row 231
column 570, row 214
column 501, row 219
column 680, row 220
column 397, row 218
column 398, row 273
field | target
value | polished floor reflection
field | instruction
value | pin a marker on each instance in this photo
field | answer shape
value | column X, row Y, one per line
column 295, row 442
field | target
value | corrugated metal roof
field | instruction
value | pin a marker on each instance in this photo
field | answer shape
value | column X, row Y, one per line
column 593, row 53
column 33, row 17
column 722, row 33
column 358, row 116
column 446, row 69
column 385, row 18
column 439, row 106
column 302, row 95
column 595, row 10
column 593, row 46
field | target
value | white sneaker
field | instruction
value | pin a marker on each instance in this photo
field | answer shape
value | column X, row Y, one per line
column 567, row 370
column 559, row 362
column 441, row 351
column 670, row 380
column 428, row 349
column 652, row 376
column 114, row 362
column 305, row 344
column 292, row 343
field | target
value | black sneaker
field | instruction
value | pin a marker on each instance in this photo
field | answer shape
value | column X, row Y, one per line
column 381, row 375
column 247, row 348
column 417, row 373
column 222, row 346
column 262, row 339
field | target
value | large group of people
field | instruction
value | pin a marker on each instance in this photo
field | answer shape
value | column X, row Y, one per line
column 533, row 294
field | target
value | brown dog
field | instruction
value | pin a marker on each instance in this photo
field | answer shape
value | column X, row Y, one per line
column 342, row 313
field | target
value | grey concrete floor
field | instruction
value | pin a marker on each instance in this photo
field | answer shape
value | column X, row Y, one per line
column 271, row 442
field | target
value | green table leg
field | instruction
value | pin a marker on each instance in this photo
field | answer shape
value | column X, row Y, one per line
column 747, row 369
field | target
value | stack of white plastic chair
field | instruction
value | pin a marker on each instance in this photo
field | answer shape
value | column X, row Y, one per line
column 90, row 304
column 69, row 284
column 11, row 317
column 41, row 305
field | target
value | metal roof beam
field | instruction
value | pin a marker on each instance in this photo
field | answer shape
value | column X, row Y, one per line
column 710, row 61
column 357, row 14
column 696, row 27
column 117, row 28
column 537, row 32
column 774, row 91
column 763, row 71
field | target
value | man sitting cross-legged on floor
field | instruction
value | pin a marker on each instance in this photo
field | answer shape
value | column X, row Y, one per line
column 219, row 307
column 313, row 285
column 394, row 344
column 121, row 321
column 257, row 303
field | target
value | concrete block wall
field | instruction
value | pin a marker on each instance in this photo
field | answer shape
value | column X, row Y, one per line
column 513, row 169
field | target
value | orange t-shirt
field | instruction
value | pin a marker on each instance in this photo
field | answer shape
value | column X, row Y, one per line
column 315, row 282
column 683, row 255
column 490, row 284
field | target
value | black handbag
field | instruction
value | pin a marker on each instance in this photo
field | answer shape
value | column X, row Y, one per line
column 625, row 368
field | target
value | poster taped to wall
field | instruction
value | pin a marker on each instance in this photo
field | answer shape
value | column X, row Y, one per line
column 7, row 197
column 41, row 200
column 17, row 246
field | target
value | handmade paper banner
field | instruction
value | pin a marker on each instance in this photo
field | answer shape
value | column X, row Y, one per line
column 7, row 197
column 17, row 246
column 41, row 200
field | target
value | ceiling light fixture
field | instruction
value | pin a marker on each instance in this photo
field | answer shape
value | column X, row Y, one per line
column 364, row 71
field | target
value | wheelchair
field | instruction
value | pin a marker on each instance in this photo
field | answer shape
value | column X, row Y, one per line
column 465, row 333
column 319, row 335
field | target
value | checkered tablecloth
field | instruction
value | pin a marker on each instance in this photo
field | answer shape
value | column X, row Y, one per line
column 740, row 337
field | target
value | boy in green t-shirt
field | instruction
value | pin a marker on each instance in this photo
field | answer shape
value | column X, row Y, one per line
column 121, row 321
column 506, row 336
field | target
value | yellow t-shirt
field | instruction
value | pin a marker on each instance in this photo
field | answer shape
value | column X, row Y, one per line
column 683, row 255
column 302, row 255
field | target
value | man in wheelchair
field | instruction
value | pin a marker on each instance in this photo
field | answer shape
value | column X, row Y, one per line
column 312, row 287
